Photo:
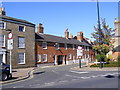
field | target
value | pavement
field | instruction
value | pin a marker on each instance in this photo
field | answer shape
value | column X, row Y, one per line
column 25, row 73
column 19, row 74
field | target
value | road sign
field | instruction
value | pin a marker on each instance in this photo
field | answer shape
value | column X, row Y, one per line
column 79, row 51
column 10, row 44
column 10, row 35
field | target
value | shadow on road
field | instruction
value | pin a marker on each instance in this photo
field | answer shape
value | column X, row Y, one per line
column 110, row 76
column 36, row 73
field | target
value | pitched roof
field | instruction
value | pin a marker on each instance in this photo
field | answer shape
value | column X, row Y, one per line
column 57, row 39
column 10, row 19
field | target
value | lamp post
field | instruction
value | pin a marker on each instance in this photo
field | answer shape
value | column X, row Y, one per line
column 99, row 29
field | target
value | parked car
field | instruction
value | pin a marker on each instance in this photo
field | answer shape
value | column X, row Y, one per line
column 5, row 66
column 5, row 71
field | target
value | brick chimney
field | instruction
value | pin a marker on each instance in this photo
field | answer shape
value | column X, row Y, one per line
column 2, row 11
column 67, row 34
column 40, row 28
column 80, row 36
column 71, row 36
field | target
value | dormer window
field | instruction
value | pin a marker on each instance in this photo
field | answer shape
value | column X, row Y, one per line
column 44, row 45
column 2, row 25
column 21, row 29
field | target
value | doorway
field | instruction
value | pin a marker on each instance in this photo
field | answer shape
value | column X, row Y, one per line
column 60, row 59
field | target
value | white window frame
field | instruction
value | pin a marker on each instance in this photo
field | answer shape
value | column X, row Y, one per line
column 23, row 60
column 19, row 46
column 46, row 57
column 38, row 58
column 65, row 45
column 69, row 56
column 4, row 26
column 3, row 41
column 57, row 46
column 44, row 43
column 23, row 28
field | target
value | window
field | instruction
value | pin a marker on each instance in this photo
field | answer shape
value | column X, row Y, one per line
column 38, row 58
column 57, row 46
column 73, row 47
column 2, row 40
column 44, row 45
column 21, row 42
column 21, row 28
column 69, row 56
column 2, row 25
column 87, row 48
column 65, row 45
column 21, row 58
column 44, row 57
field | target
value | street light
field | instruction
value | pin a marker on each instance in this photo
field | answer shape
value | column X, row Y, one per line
column 99, row 28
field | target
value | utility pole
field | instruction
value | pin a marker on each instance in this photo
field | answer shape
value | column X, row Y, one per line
column 99, row 29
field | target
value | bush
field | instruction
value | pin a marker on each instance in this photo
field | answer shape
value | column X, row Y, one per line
column 111, row 64
column 101, row 57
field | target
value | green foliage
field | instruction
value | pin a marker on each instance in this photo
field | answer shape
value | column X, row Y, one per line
column 101, row 49
column 103, row 35
column 111, row 64
column 101, row 57
column 109, row 57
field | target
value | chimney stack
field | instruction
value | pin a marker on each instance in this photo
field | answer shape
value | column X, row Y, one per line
column 40, row 28
column 67, row 34
column 71, row 36
column 2, row 11
column 80, row 36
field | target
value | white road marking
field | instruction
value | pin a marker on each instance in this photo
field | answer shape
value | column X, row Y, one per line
column 51, row 83
column 85, row 77
column 63, row 81
column 94, row 76
column 79, row 72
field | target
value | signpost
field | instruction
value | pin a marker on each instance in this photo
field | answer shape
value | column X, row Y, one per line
column 79, row 54
column 10, row 47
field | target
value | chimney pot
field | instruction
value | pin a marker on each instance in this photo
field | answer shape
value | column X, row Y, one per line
column 40, row 28
column 80, row 36
column 66, row 33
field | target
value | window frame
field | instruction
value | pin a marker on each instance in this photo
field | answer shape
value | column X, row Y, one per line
column 44, row 43
column 19, row 43
column 38, row 58
column 57, row 46
column 4, row 25
column 23, row 28
column 23, row 58
column 46, row 58
column 65, row 46
column 3, row 41
column 69, row 56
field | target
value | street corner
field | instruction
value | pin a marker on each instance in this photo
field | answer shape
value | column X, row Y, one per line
column 19, row 75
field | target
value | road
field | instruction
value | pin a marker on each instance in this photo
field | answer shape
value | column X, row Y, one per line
column 65, row 77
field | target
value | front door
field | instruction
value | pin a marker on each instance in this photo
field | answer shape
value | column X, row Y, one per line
column 60, row 59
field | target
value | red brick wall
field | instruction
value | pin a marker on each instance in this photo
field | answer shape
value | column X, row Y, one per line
column 51, row 51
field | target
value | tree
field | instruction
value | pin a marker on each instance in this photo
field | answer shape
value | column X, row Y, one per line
column 103, row 38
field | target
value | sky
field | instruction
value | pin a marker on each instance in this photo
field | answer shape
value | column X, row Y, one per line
column 56, row 17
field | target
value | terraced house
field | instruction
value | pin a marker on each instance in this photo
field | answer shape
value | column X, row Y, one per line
column 23, row 52
column 60, row 50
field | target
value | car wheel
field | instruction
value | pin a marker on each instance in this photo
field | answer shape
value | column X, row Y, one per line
column 4, row 76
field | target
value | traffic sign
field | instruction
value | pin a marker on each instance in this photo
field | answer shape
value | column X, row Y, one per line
column 10, row 44
column 79, row 51
column 10, row 35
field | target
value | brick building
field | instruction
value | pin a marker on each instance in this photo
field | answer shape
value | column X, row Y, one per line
column 23, row 53
column 60, row 50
